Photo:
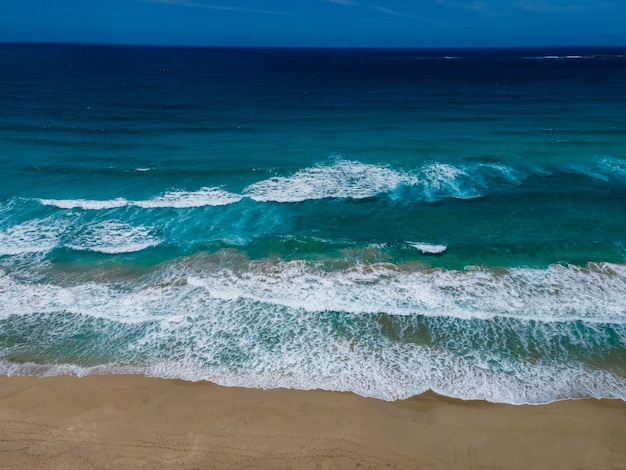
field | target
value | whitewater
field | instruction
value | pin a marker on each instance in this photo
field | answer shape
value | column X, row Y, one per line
column 376, row 221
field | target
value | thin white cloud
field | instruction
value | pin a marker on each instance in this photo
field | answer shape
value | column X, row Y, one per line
column 542, row 6
column 378, row 8
column 209, row 6
column 473, row 5
column 389, row 11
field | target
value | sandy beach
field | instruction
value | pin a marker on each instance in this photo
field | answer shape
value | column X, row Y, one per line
column 135, row 422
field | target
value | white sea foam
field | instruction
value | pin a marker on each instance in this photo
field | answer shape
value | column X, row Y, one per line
column 36, row 236
column 85, row 204
column 596, row 294
column 439, row 180
column 251, row 327
column 174, row 199
column 90, row 299
column 343, row 179
column 43, row 235
column 564, row 57
column 113, row 237
column 395, row 374
column 607, row 168
column 442, row 180
column 428, row 248
column 186, row 199
column 356, row 180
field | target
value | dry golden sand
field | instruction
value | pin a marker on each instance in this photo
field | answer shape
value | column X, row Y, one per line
column 136, row 422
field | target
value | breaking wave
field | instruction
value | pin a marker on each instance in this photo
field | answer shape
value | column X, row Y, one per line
column 515, row 336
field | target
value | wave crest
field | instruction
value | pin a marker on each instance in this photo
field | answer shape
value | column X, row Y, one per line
column 187, row 199
column 85, row 204
column 344, row 179
column 172, row 199
column 376, row 330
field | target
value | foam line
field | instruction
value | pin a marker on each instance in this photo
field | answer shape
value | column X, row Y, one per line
column 172, row 199
column 187, row 199
column 114, row 237
column 343, row 179
column 428, row 248
column 374, row 330
column 85, row 204
column 36, row 236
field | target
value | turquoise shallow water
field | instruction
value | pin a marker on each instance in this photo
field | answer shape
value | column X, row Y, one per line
column 379, row 221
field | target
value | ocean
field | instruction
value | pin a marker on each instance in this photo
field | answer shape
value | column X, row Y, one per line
column 378, row 221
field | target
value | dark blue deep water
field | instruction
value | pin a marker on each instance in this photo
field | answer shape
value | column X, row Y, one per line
column 379, row 221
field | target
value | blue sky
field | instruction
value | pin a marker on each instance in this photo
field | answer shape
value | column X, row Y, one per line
column 383, row 23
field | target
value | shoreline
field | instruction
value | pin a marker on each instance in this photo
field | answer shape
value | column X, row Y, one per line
column 131, row 421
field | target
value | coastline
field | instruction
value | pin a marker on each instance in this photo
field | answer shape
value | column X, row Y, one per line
column 126, row 421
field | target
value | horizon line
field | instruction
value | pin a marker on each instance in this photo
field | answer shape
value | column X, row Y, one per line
column 363, row 47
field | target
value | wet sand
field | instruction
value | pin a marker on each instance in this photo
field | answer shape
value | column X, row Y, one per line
column 135, row 422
